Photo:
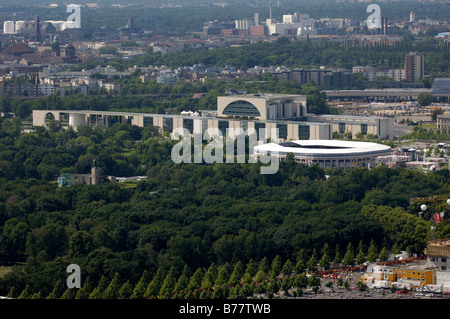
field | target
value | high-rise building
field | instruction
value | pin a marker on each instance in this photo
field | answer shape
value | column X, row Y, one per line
column 414, row 66
column 412, row 17
column 37, row 30
column 130, row 23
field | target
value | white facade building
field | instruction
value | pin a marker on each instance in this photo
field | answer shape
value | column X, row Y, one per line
column 8, row 27
column 244, row 24
column 443, row 279
column 290, row 22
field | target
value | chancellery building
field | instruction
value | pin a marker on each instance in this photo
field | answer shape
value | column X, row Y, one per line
column 261, row 112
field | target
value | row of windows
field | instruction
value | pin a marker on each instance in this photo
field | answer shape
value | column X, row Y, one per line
column 148, row 120
column 303, row 130
column 241, row 108
column 189, row 125
column 342, row 128
column 443, row 259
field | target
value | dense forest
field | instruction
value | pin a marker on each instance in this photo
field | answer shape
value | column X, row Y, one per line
column 189, row 227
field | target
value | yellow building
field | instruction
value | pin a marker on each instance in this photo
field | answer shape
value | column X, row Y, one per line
column 416, row 277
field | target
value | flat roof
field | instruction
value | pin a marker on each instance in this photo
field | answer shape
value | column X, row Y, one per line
column 325, row 148
column 119, row 113
column 352, row 117
column 264, row 95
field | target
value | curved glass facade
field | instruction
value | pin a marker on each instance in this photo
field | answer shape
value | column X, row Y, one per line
column 241, row 108
column 441, row 86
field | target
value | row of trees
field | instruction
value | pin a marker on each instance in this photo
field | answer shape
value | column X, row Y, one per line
column 298, row 54
column 215, row 281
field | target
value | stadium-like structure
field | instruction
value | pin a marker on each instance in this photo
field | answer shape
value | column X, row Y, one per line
column 326, row 153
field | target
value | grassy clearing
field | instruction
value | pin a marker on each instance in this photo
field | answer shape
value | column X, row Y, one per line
column 4, row 270
column 129, row 184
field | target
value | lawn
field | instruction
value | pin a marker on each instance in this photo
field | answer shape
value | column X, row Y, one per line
column 4, row 270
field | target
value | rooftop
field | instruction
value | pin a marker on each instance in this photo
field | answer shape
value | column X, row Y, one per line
column 323, row 148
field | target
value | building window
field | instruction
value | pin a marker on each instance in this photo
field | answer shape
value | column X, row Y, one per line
column 443, row 259
column 341, row 128
column 282, row 131
column 262, row 126
column 244, row 125
column 241, row 108
column 189, row 125
column 303, row 132
column 223, row 125
column 168, row 124
column 148, row 120
column 364, row 129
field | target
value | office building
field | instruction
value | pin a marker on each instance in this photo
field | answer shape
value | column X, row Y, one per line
column 267, row 114
column 438, row 252
column 414, row 67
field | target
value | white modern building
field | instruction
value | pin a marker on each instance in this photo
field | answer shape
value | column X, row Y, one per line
column 262, row 106
column 443, row 280
column 244, row 24
column 290, row 22
column 274, row 116
column 9, row 27
column 382, row 127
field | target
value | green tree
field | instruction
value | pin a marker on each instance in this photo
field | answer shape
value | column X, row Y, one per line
column 360, row 286
column 85, row 290
column 325, row 261
column 98, row 291
column 195, row 281
column 250, row 272
column 155, row 284
column 183, row 281
column 312, row 262
column 223, row 274
column 287, row 267
column 384, row 254
column 168, row 285
column 349, row 259
column 300, row 266
column 126, row 290
column 141, row 286
column 25, row 294
column 424, row 99
column 112, row 291
column 372, row 253
column 360, row 257
column 58, row 291
column 337, row 255
column 80, row 244
column 264, row 265
column 237, row 274
column 313, row 281
column 435, row 113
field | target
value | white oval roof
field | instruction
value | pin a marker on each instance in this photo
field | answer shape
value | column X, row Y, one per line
column 323, row 148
